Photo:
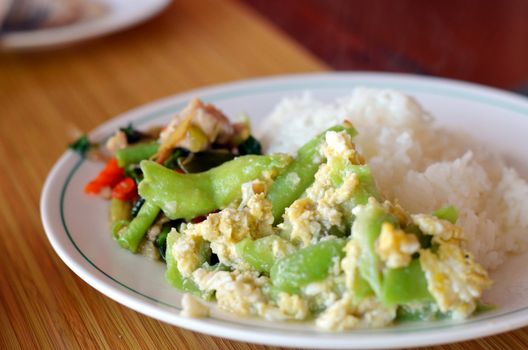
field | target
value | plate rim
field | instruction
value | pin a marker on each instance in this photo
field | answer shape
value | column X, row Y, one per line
column 118, row 295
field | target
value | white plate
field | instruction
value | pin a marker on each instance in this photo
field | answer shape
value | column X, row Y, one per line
column 77, row 226
column 121, row 14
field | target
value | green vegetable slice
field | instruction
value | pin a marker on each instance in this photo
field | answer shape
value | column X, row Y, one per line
column 173, row 275
column 366, row 229
column 299, row 175
column 258, row 253
column 138, row 227
column 449, row 213
column 136, row 153
column 307, row 265
column 405, row 285
column 190, row 195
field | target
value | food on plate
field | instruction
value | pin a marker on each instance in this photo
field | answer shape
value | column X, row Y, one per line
column 419, row 163
column 313, row 230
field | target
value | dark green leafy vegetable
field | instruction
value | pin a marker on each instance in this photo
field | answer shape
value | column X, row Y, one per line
column 173, row 161
column 161, row 241
column 213, row 259
column 250, row 146
column 132, row 134
column 203, row 161
column 181, row 162
column 425, row 240
column 137, row 206
column 81, row 145
column 134, row 171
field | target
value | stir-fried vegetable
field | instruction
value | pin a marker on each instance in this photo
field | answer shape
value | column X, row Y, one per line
column 310, row 264
column 172, row 273
column 161, row 241
column 449, row 213
column 203, row 161
column 125, row 190
column 111, row 175
column 132, row 135
column 138, row 227
column 250, row 146
column 308, row 238
column 174, row 138
column 119, row 215
column 136, row 153
column 366, row 229
column 81, row 145
column 259, row 253
column 190, row 195
column 291, row 184
column 405, row 285
column 137, row 205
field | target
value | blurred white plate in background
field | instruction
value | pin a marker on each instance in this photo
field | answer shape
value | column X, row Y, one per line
column 120, row 15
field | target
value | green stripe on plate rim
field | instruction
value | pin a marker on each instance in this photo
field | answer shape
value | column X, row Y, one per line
column 306, row 85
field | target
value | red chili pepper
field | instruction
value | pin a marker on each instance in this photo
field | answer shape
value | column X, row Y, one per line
column 110, row 176
column 125, row 190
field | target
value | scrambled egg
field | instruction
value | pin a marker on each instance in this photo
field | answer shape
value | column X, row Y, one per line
column 281, row 247
column 228, row 227
column 320, row 209
column 243, row 293
column 345, row 314
column 453, row 278
column 398, row 212
column 293, row 306
column 350, row 262
column 339, row 146
column 321, row 294
column 300, row 219
column 239, row 293
column 441, row 230
column 186, row 251
column 192, row 307
column 395, row 247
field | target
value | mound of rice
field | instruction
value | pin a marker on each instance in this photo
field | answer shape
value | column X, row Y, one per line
column 420, row 165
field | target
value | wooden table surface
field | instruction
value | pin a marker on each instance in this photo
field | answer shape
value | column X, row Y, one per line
column 44, row 95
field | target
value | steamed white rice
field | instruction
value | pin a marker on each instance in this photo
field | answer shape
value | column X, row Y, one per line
column 418, row 164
